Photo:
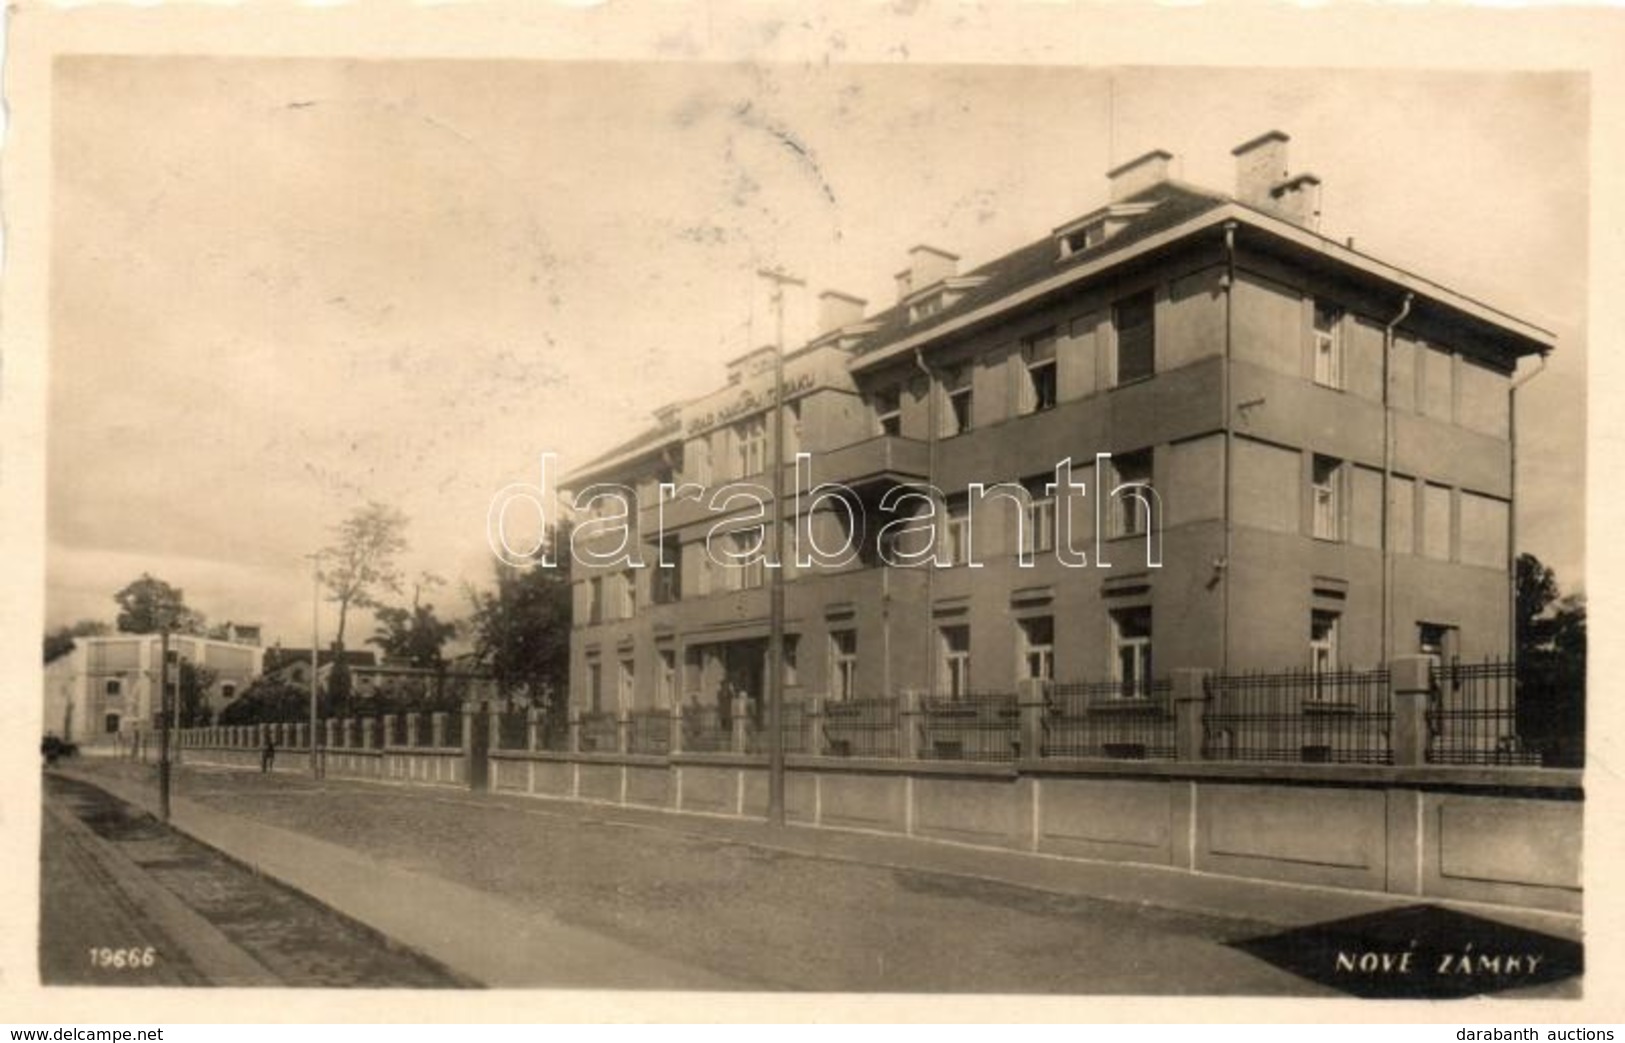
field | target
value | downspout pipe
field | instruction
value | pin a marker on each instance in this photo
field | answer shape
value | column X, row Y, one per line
column 1512, row 507
column 1223, row 563
column 1388, row 476
column 932, row 406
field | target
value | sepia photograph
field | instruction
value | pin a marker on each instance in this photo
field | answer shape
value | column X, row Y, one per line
column 878, row 526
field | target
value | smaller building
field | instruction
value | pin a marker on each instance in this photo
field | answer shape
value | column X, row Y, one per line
column 106, row 689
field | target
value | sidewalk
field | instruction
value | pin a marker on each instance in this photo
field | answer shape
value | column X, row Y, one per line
column 472, row 933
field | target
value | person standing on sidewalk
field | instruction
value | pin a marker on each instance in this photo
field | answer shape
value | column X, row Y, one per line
column 267, row 755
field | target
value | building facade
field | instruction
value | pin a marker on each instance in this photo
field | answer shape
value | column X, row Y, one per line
column 1277, row 452
column 106, row 689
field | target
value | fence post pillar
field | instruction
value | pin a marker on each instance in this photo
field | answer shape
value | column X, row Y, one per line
column 676, row 744
column 741, row 723
column 1410, row 681
column 908, row 724
column 330, row 728
column 623, row 730
column 494, row 741
column 814, row 723
column 1031, row 702
column 575, row 730
column 1190, row 703
column 414, row 725
column 533, row 729
column 437, row 729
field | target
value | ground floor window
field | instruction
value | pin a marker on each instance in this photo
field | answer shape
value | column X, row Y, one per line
column 954, row 642
column 668, row 677
column 1037, row 648
column 1323, row 642
column 843, row 673
column 111, row 723
column 1131, row 651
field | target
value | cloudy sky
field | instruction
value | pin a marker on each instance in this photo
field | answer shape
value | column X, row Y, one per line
column 280, row 288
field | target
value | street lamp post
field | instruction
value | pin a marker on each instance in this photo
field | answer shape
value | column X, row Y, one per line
column 775, row 611
column 164, row 711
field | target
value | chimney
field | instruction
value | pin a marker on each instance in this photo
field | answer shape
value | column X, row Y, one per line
column 1260, row 167
column 1263, row 180
column 926, row 265
column 1139, row 174
column 1298, row 200
column 837, row 309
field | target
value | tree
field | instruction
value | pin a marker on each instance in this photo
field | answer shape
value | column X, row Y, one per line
column 272, row 700
column 1551, row 665
column 194, row 684
column 359, row 566
column 521, row 634
column 413, row 635
column 59, row 642
column 149, row 605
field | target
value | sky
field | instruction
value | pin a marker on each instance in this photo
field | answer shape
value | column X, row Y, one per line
column 280, row 288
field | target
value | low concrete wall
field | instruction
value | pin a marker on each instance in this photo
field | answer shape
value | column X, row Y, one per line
column 1501, row 835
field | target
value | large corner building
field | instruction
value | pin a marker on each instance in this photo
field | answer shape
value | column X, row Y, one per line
column 1327, row 436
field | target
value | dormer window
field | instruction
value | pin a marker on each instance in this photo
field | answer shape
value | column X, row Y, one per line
column 925, row 309
column 1090, row 235
column 1094, row 228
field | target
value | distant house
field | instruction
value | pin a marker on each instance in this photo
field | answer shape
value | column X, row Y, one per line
column 106, row 689
column 292, row 665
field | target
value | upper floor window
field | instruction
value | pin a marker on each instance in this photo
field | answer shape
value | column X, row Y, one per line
column 888, row 407
column 1326, row 495
column 595, row 600
column 957, row 388
column 626, row 595
column 1328, row 345
column 1038, row 534
column 113, row 687
column 666, row 585
column 750, row 437
column 1129, row 509
column 699, row 459
column 752, row 570
column 956, row 532
column 1038, row 389
column 1132, row 318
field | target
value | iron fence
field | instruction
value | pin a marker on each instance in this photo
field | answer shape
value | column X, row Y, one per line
column 1107, row 719
column 1473, row 715
column 706, row 729
column 978, row 726
column 650, row 732
column 600, row 733
column 1320, row 717
column 513, row 731
column 792, row 725
column 860, row 728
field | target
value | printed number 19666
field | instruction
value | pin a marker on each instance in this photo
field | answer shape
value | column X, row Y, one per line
column 123, row 959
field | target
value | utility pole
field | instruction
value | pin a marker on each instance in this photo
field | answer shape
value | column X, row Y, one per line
column 315, row 607
column 775, row 602
column 163, row 724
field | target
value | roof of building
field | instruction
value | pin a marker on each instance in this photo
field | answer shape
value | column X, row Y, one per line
column 1173, row 202
column 277, row 658
column 1039, row 267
